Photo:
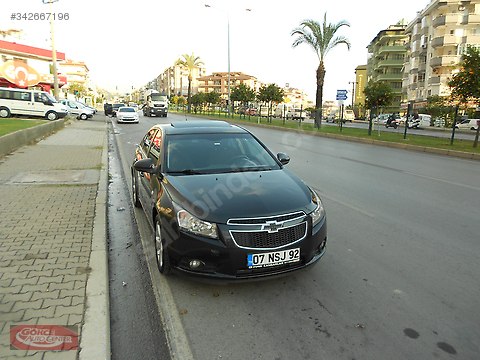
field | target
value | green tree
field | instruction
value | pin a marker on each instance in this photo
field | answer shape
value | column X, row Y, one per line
column 243, row 94
column 189, row 63
column 438, row 107
column 78, row 89
column 270, row 94
column 212, row 98
column 321, row 38
column 465, row 84
column 198, row 100
column 377, row 94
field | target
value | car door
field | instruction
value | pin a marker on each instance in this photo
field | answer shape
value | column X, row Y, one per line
column 150, row 182
column 142, row 152
column 23, row 104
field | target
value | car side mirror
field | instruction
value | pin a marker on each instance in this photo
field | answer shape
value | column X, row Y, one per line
column 283, row 158
column 145, row 165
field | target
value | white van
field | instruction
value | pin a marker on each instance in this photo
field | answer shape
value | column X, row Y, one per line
column 422, row 121
column 470, row 124
column 30, row 103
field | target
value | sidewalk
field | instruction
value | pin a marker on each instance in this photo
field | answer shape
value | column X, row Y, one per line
column 53, row 258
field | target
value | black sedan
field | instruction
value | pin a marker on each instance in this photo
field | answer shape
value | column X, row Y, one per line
column 222, row 206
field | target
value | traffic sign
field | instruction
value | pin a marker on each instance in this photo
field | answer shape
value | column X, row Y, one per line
column 341, row 92
column 341, row 97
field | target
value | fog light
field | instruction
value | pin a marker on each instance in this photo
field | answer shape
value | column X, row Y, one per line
column 195, row 264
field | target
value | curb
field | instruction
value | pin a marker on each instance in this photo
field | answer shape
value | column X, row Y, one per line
column 19, row 138
column 95, row 335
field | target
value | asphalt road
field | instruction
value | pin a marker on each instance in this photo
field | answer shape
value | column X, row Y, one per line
column 399, row 279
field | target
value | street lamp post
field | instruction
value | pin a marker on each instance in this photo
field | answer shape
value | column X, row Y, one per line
column 353, row 91
column 228, row 58
column 54, row 52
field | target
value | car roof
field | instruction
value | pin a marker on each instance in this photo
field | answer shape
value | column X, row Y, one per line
column 199, row 127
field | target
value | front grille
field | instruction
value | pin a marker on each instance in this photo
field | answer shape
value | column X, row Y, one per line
column 278, row 218
column 270, row 240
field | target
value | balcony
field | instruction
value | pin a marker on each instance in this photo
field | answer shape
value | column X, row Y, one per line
column 389, row 77
column 389, row 63
column 449, row 19
column 446, row 60
column 434, row 80
column 438, row 41
column 392, row 48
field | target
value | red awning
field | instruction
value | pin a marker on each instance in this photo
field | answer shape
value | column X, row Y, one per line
column 28, row 51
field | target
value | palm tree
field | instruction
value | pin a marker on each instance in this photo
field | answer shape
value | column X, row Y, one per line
column 322, row 38
column 189, row 63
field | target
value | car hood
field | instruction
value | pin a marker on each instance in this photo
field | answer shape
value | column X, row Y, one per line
column 219, row 197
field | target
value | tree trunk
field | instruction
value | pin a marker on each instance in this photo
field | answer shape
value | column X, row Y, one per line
column 319, row 97
column 189, row 94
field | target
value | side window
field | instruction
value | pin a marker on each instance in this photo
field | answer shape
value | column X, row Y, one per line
column 5, row 94
column 155, row 149
column 37, row 97
column 22, row 95
column 147, row 140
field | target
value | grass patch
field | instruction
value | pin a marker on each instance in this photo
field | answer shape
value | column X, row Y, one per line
column 387, row 136
column 8, row 126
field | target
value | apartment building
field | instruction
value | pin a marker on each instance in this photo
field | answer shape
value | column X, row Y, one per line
column 218, row 81
column 174, row 80
column 439, row 36
column 386, row 59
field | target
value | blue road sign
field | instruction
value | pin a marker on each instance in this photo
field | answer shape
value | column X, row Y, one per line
column 341, row 97
column 341, row 92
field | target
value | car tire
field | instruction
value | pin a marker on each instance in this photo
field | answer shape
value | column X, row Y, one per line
column 136, row 200
column 4, row 112
column 161, row 256
column 51, row 115
column 83, row 116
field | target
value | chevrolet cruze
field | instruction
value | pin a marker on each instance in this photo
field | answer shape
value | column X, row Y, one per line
column 221, row 205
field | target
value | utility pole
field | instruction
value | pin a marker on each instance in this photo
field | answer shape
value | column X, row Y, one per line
column 54, row 52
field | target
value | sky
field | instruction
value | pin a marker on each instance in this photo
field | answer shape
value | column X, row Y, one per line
column 125, row 44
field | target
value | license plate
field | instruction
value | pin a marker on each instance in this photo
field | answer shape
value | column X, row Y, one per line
column 274, row 258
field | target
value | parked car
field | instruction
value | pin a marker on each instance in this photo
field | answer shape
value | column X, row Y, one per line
column 296, row 114
column 348, row 115
column 222, row 206
column 89, row 107
column 30, row 103
column 470, row 124
column 77, row 109
column 127, row 114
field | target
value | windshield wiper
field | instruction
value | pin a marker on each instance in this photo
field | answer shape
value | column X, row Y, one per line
column 252, row 168
column 187, row 172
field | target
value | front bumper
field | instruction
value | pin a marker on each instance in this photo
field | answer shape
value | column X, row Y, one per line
column 225, row 261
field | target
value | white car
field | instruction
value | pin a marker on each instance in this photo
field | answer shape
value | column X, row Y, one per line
column 127, row 114
column 468, row 124
column 77, row 109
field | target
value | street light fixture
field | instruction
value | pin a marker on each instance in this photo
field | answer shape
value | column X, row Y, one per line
column 54, row 52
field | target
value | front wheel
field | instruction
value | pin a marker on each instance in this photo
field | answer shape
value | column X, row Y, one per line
column 83, row 116
column 52, row 115
column 163, row 261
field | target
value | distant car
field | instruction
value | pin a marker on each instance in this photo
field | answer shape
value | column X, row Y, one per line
column 274, row 225
column 469, row 124
column 127, row 114
column 295, row 114
column 115, row 108
column 251, row 111
column 77, row 109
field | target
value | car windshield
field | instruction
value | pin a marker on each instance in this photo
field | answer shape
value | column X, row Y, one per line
column 116, row 106
column 49, row 97
column 216, row 153
column 126, row 109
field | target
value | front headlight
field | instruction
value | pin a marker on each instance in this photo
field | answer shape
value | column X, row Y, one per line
column 188, row 222
column 319, row 212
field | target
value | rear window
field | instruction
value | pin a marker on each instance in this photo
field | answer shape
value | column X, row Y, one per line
column 126, row 109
